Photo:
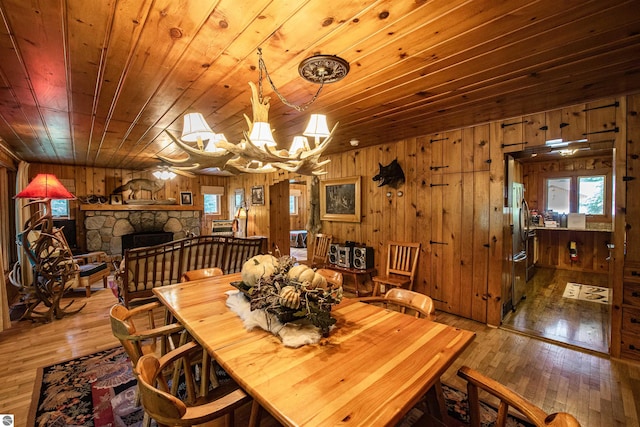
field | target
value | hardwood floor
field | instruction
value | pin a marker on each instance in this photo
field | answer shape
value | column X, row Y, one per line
column 545, row 313
column 598, row 391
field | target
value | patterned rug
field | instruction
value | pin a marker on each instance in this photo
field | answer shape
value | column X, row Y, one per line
column 94, row 390
column 100, row 390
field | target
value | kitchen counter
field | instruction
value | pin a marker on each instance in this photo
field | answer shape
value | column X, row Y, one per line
column 604, row 227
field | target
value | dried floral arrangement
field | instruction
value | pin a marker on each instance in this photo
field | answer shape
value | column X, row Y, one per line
column 290, row 292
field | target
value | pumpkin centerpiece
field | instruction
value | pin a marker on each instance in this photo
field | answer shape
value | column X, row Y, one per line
column 290, row 292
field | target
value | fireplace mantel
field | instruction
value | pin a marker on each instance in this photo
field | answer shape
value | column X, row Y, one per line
column 108, row 207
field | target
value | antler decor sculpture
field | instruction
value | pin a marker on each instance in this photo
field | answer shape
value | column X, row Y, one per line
column 256, row 153
column 249, row 156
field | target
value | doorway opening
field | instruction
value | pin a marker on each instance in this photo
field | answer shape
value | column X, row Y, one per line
column 298, row 216
column 561, row 292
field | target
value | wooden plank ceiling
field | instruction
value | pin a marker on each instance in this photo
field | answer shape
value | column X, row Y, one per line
column 97, row 82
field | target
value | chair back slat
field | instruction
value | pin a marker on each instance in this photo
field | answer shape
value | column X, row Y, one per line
column 321, row 246
column 403, row 258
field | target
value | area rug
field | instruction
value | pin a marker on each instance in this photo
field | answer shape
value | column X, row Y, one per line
column 100, row 390
column 94, row 390
column 587, row 293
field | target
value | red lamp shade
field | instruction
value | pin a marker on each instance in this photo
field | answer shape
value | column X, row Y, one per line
column 45, row 186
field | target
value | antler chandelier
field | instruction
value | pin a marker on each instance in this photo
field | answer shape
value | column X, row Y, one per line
column 257, row 152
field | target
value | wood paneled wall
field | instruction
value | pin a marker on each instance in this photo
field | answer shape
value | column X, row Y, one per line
column 452, row 202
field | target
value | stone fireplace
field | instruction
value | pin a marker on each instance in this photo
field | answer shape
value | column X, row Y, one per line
column 105, row 228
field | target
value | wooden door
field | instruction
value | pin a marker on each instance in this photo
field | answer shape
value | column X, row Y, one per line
column 279, row 218
column 459, row 243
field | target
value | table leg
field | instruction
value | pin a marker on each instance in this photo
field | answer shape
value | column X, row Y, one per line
column 256, row 414
column 205, row 374
column 435, row 401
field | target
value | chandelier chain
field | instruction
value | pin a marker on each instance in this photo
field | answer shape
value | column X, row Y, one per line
column 263, row 67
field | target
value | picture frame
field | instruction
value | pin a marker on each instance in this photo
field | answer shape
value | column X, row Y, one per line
column 186, row 198
column 115, row 199
column 340, row 199
column 257, row 195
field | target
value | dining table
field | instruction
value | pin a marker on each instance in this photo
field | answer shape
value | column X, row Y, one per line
column 370, row 370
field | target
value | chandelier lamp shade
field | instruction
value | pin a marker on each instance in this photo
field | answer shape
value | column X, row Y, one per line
column 317, row 126
column 261, row 135
column 45, row 186
column 299, row 145
column 258, row 151
column 196, row 129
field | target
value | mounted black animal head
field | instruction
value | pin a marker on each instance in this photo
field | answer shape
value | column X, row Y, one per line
column 391, row 175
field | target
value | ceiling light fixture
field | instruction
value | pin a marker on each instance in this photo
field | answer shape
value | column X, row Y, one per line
column 257, row 152
column 164, row 174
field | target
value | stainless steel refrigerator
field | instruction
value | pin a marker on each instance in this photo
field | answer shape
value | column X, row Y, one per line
column 520, row 233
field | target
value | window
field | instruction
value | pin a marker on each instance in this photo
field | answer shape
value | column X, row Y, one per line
column 558, row 194
column 60, row 208
column 212, row 196
column 591, row 195
column 212, row 204
column 577, row 193
column 293, row 205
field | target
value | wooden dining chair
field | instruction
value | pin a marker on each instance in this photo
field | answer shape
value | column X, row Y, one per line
column 334, row 278
column 321, row 245
column 508, row 398
column 406, row 301
column 149, row 338
column 401, row 266
column 202, row 273
column 200, row 405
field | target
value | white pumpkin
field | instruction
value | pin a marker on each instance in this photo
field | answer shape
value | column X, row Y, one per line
column 304, row 274
column 295, row 271
column 257, row 267
column 289, row 297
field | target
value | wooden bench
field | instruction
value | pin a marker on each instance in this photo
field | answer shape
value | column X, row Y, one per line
column 143, row 269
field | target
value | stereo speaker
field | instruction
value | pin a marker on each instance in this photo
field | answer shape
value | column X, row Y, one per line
column 362, row 257
column 333, row 253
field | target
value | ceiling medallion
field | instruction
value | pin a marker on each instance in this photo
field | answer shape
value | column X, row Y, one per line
column 323, row 69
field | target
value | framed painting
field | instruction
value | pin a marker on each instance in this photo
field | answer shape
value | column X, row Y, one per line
column 340, row 199
column 257, row 195
column 186, row 198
